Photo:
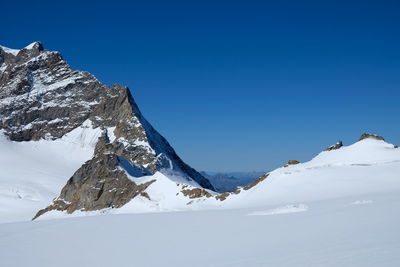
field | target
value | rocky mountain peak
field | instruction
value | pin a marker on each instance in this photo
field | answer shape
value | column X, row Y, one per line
column 9, row 56
column 41, row 97
column 35, row 46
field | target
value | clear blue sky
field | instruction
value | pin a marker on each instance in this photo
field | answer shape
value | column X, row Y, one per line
column 238, row 85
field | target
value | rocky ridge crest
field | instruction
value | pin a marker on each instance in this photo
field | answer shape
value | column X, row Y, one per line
column 41, row 97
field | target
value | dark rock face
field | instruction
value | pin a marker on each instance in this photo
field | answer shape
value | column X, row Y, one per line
column 338, row 145
column 100, row 183
column 372, row 136
column 291, row 162
column 41, row 97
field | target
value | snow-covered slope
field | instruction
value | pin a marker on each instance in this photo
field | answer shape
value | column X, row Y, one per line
column 368, row 166
column 35, row 173
column 346, row 232
column 339, row 209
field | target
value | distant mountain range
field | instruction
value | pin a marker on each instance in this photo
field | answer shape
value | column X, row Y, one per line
column 230, row 181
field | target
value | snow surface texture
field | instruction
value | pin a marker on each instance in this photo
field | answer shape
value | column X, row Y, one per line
column 330, row 233
column 281, row 210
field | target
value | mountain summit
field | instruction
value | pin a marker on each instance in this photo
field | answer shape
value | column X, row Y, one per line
column 42, row 98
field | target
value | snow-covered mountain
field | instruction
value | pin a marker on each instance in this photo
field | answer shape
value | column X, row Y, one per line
column 70, row 144
column 68, row 125
column 368, row 166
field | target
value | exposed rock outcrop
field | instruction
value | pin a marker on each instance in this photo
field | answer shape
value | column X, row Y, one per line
column 196, row 193
column 372, row 136
column 224, row 196
column 338, row 145
column 100, row 183
column 256, row 182
column 291, row 162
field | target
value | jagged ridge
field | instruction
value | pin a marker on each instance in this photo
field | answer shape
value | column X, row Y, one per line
column 41, row 97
